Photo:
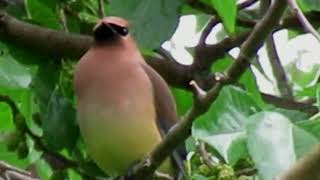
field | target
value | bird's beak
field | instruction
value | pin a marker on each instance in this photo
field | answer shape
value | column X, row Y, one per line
column 103, row 30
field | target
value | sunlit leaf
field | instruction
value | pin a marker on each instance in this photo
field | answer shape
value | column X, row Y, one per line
column 225, row 122
column 227, row 10
column 274, row 143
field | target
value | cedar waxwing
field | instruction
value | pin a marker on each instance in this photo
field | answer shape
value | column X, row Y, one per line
column 124, row 107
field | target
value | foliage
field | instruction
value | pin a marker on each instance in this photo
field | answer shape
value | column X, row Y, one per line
column 240, row 129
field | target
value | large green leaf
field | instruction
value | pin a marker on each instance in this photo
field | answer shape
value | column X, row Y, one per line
column 227, row 10
column 312, row 126
column 59, row 125
column 275, row 143
column 44, row 83
column 224, row 125
column 13, row 75
column 309, row 5
column 44, row 13
column 153, row 21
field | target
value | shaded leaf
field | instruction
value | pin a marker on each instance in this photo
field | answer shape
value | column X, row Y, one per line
column 60, row 129
column 13, row 75
column 312, row 126
column 146, row 16
column 309, row 5
column 183, row 100
column 43, row 13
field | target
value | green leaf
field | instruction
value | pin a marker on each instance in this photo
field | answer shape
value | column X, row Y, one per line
column 312, row 126
column 301, row 78
column 11, row 157
column 152, row 21
column 183, row 100
column 308, row 91
column 249, row 81
column 318, row 96
column 221, row 64
column 43, row 169
column 21, row 98
column 44, row 83
column 275, row 143
column 202, row 20
column 227, row 11
column 59, row 125
column 43, row 13
column 294, row 115
column 224, row 125
column 304, row 141
column 309, row 5
column 88, row 18
column 13, row 75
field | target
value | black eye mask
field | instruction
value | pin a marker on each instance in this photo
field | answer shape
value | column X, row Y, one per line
column 108, row 32
column 123, row 31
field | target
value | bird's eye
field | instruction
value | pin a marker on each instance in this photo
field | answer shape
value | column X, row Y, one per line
column 123, row 31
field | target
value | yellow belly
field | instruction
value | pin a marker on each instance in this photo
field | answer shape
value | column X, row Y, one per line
column 116, row 140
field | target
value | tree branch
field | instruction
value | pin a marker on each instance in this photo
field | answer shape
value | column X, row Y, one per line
column 304, row 21
column 206, row 31
column 101, row 8
column 278, row 70
column 182, row 130
column 60, row 44
column 9, row 172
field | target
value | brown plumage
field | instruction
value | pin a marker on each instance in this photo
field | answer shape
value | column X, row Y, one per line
column 123, row 105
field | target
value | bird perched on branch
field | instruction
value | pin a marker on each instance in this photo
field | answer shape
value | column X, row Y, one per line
column 124, row 107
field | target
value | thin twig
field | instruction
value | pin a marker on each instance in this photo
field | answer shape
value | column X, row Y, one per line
column 303, row 20
column 206, row 157
column 246, row 4
column 63, row 19
column 246, row 172
column 10, row 172
column 197, row 91
column 278, row 70
column 162, row 176
column 101, row 8
column 206, row 31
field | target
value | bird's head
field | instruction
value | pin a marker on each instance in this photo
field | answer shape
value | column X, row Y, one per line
column 110, row 29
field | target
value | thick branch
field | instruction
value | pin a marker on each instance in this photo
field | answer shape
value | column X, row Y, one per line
column 50, row 42
column 67, row 45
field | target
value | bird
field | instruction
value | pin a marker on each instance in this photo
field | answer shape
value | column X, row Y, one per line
column 124, row 107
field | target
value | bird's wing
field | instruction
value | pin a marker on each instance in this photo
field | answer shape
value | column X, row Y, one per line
column 166, row 113
column 164, row 102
